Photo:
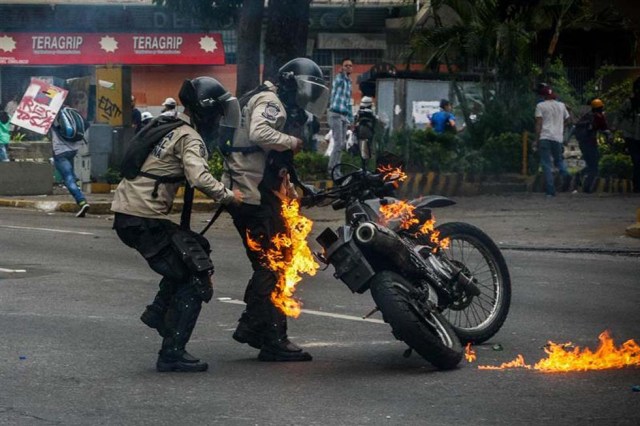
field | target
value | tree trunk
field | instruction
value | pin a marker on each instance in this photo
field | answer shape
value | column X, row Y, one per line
column 286, row 34
column 249, row 36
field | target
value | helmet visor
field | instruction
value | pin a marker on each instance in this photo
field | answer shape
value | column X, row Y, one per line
column 230, row 111
column 311, row 94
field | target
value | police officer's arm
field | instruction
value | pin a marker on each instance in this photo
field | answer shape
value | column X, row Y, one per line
column 196, row 170
column 265, row 117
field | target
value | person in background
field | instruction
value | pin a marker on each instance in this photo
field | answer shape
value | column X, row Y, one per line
column 443, row 120
column 5, row 135
column 551, row 117
column 136, row 115
column 628, row 121
column 146, row 118
column 142, row 206
column 64, row 153
column 364, row 128
column 169, row 109
column 10, row 109
column 586, row 132
column 340, row 115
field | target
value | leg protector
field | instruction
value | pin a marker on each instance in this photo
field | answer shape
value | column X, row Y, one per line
column 181, row 319
column 154, row 315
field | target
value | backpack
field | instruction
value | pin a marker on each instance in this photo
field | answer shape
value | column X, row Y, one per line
column 69, row 125
column 143, row 143
column 583, row 129
column 365, row 125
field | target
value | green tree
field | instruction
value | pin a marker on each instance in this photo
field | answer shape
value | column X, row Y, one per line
column 287, row 25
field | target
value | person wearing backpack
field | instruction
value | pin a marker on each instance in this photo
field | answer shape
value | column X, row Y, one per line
column 260, row 163
column 586, row 133
column 67, row 136
column 365, row 124
column 178, row 152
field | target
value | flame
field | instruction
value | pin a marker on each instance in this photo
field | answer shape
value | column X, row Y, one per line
column 404, row 212
column 392, row 174
column 469, row 353
column 288, row 257
column 565, row 357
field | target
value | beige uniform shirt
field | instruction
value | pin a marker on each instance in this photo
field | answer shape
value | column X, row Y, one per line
column 263, row 119
column 180, row 153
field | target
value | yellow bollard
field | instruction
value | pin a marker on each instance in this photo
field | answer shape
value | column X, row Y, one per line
column 634, row 230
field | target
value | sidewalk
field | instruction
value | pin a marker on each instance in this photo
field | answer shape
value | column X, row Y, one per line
column 517, row 221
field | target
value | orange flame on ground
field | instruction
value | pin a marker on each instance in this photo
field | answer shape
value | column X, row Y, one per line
column 469, row 353
column 288, row 258
column 561, row 358
column 403, row 211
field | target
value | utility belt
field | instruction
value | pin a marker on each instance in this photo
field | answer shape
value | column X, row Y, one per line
column 161, row 179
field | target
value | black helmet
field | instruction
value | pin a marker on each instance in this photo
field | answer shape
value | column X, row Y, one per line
column 301, row 84
column 210, row 105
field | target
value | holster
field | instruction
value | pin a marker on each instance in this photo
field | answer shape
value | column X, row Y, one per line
column 197, row 260
column 192, row 253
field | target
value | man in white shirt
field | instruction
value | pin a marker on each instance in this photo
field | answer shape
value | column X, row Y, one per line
column 551, row 117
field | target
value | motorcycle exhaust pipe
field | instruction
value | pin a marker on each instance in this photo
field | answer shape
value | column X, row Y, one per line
column 387, row 244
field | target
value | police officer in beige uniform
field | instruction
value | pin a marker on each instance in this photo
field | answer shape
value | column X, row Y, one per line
column 255, row 166
column 143, row 203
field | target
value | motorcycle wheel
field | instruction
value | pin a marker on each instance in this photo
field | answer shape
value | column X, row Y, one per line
column 478, row 318
column 428, row 333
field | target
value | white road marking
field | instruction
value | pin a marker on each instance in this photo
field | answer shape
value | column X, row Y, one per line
column 63, row 231
column 11, row 271
column 312, row 312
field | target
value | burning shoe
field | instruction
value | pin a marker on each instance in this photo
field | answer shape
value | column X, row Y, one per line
column 181, row 361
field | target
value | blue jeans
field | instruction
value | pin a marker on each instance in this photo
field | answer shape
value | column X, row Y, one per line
column 3, row 152
column 64, row 166
column 339, row 124
column 550, row 155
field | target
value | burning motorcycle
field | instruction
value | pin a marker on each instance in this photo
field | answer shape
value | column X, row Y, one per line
column 436, row 286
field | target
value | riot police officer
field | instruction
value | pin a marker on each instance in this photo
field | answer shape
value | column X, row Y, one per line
column 142, row 204
column 258, row 164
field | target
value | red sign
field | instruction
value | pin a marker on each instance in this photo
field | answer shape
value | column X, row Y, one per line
column 110, row 48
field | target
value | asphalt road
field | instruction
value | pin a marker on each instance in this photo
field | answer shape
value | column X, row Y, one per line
column 74, row 352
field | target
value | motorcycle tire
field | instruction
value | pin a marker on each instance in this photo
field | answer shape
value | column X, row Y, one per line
column 469, row 247
column 428, row 333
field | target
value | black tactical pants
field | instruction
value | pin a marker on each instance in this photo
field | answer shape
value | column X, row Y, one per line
column 180, row 295
column 260, row 223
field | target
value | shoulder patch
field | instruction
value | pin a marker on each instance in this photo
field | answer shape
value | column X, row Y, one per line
column 271, row 111
column 203, row 150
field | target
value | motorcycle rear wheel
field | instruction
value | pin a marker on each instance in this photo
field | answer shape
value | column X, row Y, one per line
column 477, row 320
column 428, row 333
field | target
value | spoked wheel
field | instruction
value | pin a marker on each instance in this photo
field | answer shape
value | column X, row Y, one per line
column 477, row 318
column 428, row 333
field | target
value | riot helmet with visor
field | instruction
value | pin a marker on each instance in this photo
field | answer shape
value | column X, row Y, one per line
column 301, row 85
column 211, row 107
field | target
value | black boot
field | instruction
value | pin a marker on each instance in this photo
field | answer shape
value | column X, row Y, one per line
column 180, row 321
column 250, row 330
column 277, row 346
column 154, row 315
